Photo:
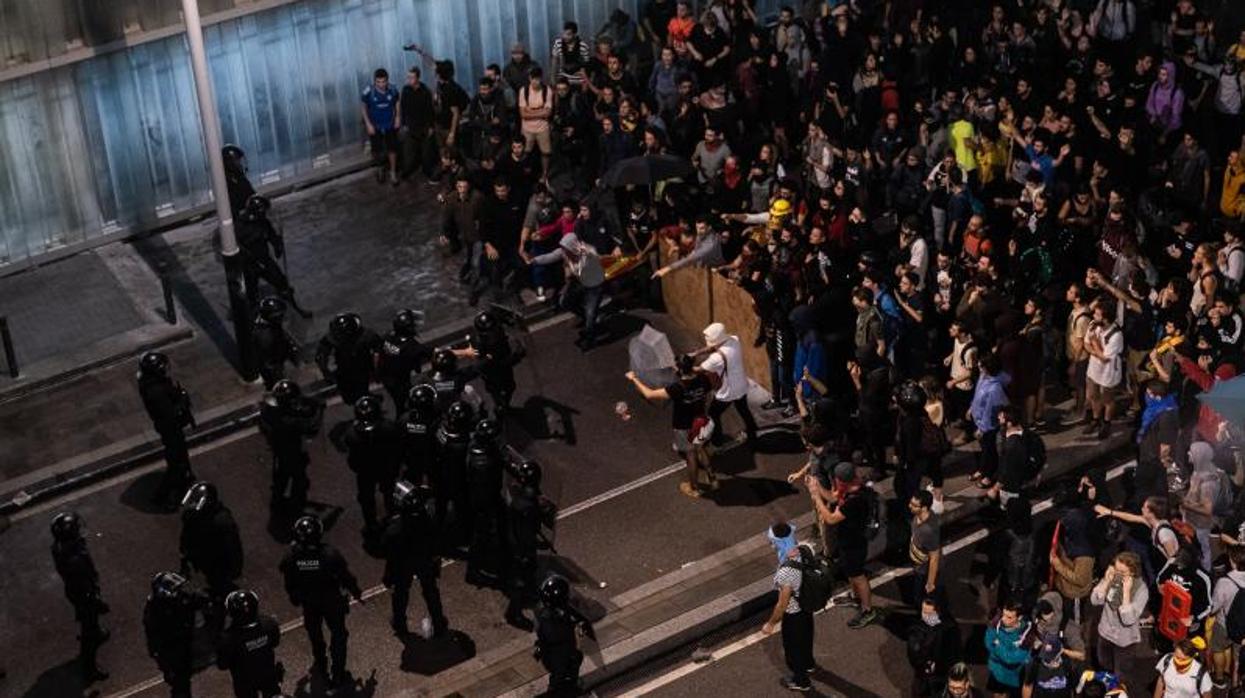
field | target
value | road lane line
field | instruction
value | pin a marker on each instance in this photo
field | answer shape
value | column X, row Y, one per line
column 882, row 579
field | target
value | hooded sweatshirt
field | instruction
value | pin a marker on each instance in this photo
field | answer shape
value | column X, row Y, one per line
column 988, row 396
column 1203, row 484
column 1074, row 564
column 1008, row 650
column 1165, row 104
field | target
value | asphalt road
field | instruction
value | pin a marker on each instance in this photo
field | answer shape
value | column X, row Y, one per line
column 627, row 525
column 852, row 663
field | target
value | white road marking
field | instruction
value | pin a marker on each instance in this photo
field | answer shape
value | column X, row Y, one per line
column 875, row 582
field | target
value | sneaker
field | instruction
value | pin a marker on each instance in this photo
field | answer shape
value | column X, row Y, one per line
column 938, row 506
column 1105, row 431
column 1090, row 428
column 774, row 405
column 792, row 685
column 393, row 178
column 865, row 617
column 689, row 490
column 540, row 294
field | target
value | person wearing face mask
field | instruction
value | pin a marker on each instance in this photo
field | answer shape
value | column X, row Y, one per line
column 1123, row 596
column 933, row 649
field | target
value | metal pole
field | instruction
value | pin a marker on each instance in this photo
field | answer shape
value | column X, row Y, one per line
column 170, row 308
column 10, row 356
column 240, row 311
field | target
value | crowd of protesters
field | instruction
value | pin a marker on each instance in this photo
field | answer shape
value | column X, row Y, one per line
column 951, row 217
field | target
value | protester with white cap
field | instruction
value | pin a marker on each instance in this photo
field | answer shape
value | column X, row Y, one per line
column 724, row 356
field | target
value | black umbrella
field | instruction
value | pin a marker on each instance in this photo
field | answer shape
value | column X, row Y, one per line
column 646, row 170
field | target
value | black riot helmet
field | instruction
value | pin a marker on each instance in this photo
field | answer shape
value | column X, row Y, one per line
column 153, row 363
column 242, row 606
column 406, row 323
column 202, row 496
column 528, row 473
column 485, row 321
column 367, row 410
column 234, row 157
column 272, row 309
column 308, row 530
column 67, row 526
column 345, row 327
column 458, row 417
column 444, row 361
column 910, row 396
column 487, row 430
column 258, row 204
column 423, row 398
column 168, row 586
column 286, row 391
column 555, row 591
column 410, row 499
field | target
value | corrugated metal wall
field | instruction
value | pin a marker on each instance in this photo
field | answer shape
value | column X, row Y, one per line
column 112, row 144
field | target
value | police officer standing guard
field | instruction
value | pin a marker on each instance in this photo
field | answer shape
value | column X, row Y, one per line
column 168, row 405
column 450, row 476
column 274, row 347
column 401, row 355
column 287, row 419
column 490, row 347
column 419, row 430
column 373, row 447
column 239, row 187
column 211, row 544
column 317, row 578
column 247, row 648
column 557, row 646
column 410, row 545
column 485, row 467
column 169, row 622
column 259, row 241
column 77, row 571
column 347, row 356
column 526, row 512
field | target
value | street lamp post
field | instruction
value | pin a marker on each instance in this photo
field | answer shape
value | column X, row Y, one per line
column 239, row 308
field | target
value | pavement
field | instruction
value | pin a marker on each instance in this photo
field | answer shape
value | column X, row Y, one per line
column 656, row 570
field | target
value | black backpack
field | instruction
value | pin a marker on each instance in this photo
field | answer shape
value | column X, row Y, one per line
column 875, row 520
column 1035, row 454
column 934, row 442
column 816, row 580
column 1234, row 619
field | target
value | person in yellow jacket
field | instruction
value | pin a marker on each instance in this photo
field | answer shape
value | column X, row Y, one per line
column 1232, row 201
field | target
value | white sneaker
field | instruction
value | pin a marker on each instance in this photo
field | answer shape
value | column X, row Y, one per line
column 425, row 628
column 937, row 507
column 540, row 294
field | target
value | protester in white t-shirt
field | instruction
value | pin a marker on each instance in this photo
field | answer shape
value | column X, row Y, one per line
column 1105, row 370
column 1182, row 675
column 724, row 356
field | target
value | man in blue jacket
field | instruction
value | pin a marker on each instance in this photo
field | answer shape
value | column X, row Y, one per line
column 983, row 412
column 1008, row 640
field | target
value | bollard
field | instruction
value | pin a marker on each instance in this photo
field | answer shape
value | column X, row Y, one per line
column 10, row 356
column 170, row 308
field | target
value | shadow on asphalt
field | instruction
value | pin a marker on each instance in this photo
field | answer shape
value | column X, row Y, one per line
column 138, row 495
column 427, row 657
column 542, row 419
column 742, row 491
column 317, row 687
column 60, row 680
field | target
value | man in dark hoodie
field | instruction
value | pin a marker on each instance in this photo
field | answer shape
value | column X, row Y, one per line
column 933, row 647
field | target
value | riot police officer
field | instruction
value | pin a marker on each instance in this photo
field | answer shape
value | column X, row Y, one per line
column 450, row 476
column 410, row 547
column 287, row 419
column 274, row 347
column 373, row 447
column 317, row 578
column 236, row 182
column 419, row 430
column 484, row 471
column 495, row 357
column 526, row 513
column 347, row 356
column 247, row 648
column 449, row 382
column 168, row 405
column 77, row 571
column 211, row 544
column 401, row 355
column 258, row 241
column 557, row 646
column 169, row 622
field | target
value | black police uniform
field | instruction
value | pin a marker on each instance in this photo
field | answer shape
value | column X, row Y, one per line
column 496, row 360
column 77, row 570
column 450, row 387
column 400, row 357
column 258, row 240
column 317, row 579
column 274, row 347
column 238, row 186
column 450, row 484
column 286, row 424
column 169, row 624
column 523, row 521
column 410, row 545
column 168, row 405
column 374, row 454
column 248, row 651
column 419, row 445
column 210, row 543
column 558, row 649
column 351, row 364
column 485, row 464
